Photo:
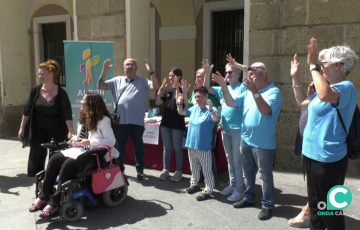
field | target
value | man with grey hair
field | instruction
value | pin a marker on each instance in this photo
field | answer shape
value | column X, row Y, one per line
column 131, row 105
column 261, row 108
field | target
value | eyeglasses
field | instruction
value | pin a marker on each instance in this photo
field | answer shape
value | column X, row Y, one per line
column 130, row 65
column 229, row 72
column 323, row 63
column 253, row 68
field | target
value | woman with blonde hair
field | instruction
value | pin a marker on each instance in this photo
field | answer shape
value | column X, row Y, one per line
column 48, row 112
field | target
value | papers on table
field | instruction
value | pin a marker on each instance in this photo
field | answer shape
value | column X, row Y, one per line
column 153, row 119
column 73, row 152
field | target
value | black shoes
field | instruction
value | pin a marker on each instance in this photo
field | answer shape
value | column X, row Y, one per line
column 204, row 195
column 193, row 188
column 265, row 214
column 140, row 175
column 242, row 204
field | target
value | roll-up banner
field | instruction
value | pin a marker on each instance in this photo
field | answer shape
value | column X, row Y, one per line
column 83, row 65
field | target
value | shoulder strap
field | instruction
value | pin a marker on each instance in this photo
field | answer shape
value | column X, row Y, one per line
column 341, row 120
column 115, row 110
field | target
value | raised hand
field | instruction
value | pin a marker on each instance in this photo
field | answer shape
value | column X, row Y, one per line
column 106, row 65
column 163, row 85
column 197, row 84
column 179, row 98
column 231, row 60
column 312, row 52
column 294, row 67
column 184, row 86
column 148, row 65
column 218, row 78
column 311, row 89
column 206, row 66
column 250, row 84
column 209, row 105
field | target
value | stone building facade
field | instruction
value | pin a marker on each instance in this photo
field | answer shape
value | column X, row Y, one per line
column 177, row 32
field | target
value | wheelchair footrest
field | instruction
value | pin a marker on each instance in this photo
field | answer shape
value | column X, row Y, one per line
column 84, row 192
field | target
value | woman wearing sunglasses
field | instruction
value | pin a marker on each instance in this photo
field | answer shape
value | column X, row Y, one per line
column 324, row 144
column 231, row 119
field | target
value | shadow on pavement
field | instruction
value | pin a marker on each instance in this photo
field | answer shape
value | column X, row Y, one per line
column 104, row 217
column 20, row 180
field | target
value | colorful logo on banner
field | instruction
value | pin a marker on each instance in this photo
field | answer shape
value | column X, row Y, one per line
column 339, row 197
column 89, row 62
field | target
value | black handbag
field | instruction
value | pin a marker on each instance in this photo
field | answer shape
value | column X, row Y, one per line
column 26, row 139
column 115, row 116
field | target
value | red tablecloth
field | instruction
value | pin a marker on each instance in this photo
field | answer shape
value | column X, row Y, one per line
column 153, row 157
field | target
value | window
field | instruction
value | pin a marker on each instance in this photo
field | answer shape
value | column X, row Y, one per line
column 53, row 36
column 228, row 37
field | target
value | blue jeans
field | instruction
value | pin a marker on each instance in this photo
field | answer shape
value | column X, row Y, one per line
column 253, row 160
column 231, row 140
column 172, row 137
column 136, row 133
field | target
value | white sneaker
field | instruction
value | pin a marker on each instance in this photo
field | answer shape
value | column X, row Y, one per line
column 227, row 190
column 235, row 196
column 164, row 175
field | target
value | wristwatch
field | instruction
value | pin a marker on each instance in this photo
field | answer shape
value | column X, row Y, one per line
column 315, row 67
column 256, row 95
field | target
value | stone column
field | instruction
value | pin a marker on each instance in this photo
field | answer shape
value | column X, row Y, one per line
column 14, row 64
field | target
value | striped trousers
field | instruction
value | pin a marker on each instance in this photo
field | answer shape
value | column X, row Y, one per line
column 201, row 160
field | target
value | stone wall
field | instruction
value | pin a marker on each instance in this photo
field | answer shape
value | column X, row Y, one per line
column 104, row 21
column 278, row 30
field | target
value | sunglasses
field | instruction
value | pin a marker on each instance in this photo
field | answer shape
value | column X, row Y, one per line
column 229, row 72
column 254, row 68
column 323, row 63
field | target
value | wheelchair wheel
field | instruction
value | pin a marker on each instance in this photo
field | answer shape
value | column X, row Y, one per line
column 114, row 198
column 72, row 211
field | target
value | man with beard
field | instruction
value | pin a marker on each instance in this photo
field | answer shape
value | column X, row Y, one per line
column 131, row 106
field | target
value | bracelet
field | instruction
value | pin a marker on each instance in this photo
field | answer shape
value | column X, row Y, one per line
column 211, row 110
column 152, row 73
column 297, row 86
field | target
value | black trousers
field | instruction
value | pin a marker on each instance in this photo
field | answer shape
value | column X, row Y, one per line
column 38, row 154
column 66, row 168
column 321, row 177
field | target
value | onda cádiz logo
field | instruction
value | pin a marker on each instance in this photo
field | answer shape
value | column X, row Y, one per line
column 339, row 197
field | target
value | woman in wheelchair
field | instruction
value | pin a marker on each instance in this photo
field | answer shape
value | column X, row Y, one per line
column 94, row 129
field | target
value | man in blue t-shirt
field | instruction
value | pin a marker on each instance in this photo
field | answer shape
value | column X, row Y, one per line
column 261, row 108
column 131, row 105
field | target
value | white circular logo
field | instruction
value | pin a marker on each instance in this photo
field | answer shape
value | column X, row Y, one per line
column 321, row 205
column 108, row 175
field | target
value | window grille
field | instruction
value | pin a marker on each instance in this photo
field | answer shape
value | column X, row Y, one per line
column 228, row 37
column 53, row 36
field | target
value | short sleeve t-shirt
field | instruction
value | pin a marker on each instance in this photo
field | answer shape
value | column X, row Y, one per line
column 200, row 128
column 258, row 130
column 132, row 104
column 231, row 118
column 171, row 117
column 324, row 136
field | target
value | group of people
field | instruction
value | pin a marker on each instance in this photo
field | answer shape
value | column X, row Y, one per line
column 249, row 115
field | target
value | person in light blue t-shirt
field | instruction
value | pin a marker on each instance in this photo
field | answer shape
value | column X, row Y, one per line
column 198, row 141
column 261, row 108
column 324, row 143
column 231, row 121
